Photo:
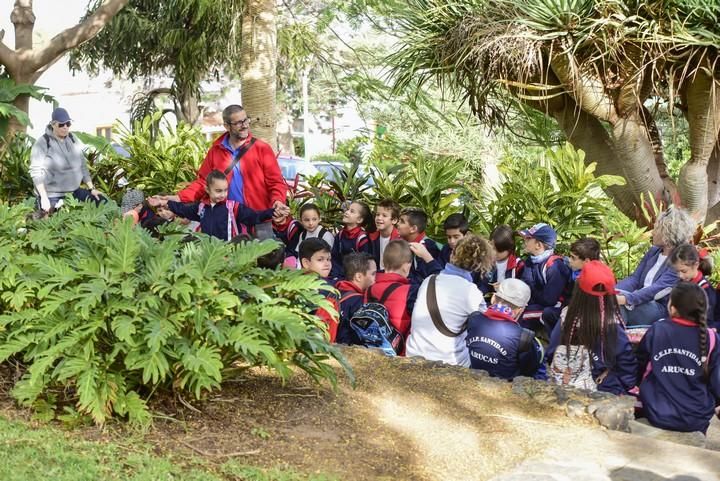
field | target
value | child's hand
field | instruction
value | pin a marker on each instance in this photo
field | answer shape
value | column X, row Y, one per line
column 621, row 300
column 421, row 251
column 156, row 201
column 279, row 218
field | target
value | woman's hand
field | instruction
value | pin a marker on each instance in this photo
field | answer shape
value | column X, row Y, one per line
column 95, row 193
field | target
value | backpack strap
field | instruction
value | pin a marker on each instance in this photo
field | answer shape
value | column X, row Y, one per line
column 243, row 150
column 385, row 295
column 47, row 140
column 526, row 339
column 431, row 296
column 358, row 240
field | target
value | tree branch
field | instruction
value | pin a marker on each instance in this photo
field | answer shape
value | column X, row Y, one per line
column 587, row 91
column 74, row 36
column 8, row 57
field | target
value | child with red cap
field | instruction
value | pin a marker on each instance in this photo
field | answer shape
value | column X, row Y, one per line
column 589, row 348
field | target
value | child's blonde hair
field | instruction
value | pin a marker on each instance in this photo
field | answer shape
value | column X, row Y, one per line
column 473, row 253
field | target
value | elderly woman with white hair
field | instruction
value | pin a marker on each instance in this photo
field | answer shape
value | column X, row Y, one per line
column 643, row 295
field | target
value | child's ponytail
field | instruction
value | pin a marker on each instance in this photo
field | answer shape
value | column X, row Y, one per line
column 690, row 302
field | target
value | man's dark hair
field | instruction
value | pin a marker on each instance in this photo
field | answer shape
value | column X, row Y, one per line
column 310, row 246
column 503, row 238
column 356, row 263
column 586, row 248
column 456, row 221
column 229, row 110
column 213, row 176
column 416, row 217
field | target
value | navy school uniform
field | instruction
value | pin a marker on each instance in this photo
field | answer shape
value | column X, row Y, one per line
column 621, row 371
column 374, row 239
column 216, row 220
column 711, row 297
column 351, row 299
column 673, row 392
column 549, row 283
column 419, row 270
column 347, row 241
column 513, row 269
column 500, row 346
column 289, row 235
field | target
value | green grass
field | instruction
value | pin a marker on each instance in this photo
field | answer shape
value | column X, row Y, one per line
column 47, row 454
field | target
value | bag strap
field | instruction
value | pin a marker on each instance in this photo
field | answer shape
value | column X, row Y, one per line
column 526, row 338
column 385, row 295
column 435, row 310
column 243, row 150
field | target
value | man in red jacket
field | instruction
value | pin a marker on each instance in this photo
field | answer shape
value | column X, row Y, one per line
column 255, row 180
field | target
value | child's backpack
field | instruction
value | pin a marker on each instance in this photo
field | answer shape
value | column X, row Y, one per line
column 371, row 323
column 572, row 366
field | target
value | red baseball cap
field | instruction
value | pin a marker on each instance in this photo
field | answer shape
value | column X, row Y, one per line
column 596, row 279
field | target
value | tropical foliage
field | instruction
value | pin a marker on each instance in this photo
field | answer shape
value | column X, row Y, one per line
column 15, row 182
column 99, row 314
column 598, row 68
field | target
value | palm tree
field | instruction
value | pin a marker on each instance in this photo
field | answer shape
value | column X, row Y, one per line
column 595, row 67
column 259, row 59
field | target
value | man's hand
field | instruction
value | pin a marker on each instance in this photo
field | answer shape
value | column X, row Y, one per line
column 45, row 203
column 281, row 208
column 421, row 251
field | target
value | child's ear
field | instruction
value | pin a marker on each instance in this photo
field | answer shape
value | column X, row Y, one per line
column 394, row 220
column 305, row 263
column 671, row 309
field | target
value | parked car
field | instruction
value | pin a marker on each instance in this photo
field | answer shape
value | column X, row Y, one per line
column 293, row 167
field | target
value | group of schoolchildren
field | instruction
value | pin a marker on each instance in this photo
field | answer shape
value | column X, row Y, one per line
column 475, row 302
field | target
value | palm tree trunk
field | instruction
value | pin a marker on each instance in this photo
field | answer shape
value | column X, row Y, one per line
column 259, row 73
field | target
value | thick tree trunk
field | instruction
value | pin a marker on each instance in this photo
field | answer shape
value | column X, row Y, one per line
column 702, row 99
column 188, row 100
column 258, row 60
column 26, row 64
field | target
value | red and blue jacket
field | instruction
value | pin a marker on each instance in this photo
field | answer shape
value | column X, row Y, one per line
column 289, row 234
column 374, row 239
column 500, row 346
column 513, row 270
column 347, row 241
column 420, row 269
column 619, row 373
column 399, row 303
column 673, row 389
column 711, row 297
column 549, row 283
column 221, row 220
column 351, row 298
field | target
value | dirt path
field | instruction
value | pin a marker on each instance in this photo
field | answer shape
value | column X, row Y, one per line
column 401, row 422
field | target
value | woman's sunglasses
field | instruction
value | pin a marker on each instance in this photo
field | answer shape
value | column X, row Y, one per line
column 64, row 124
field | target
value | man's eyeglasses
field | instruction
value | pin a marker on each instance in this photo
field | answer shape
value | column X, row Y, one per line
column 239, row 123
column 64, row 124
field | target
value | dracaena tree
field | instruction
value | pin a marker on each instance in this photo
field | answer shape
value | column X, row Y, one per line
column 596, row 67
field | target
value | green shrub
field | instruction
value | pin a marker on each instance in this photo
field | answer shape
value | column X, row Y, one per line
column 15, row 181
column 330, row 158
column 100, row 311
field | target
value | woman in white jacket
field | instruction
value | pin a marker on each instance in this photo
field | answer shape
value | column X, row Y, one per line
column 457, row 296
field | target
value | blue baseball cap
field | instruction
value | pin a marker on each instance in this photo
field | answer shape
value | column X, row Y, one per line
column 60, row 115
column 541, row 232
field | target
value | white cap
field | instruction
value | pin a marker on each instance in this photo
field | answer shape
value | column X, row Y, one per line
column 514, row 291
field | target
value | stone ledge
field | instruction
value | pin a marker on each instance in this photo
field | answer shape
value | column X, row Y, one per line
column 612, row 412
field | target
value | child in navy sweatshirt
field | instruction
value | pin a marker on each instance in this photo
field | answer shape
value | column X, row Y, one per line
column 314, row 254
column 411, row 227
column 548, row 277
column 507, row 264
column 357, row 220
column 455, row 226
column 692, row 267
column 387, row 215
column 496, row 342
column 360, row 271
column 680, row 366
column 218, row 217
column 589, row 348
